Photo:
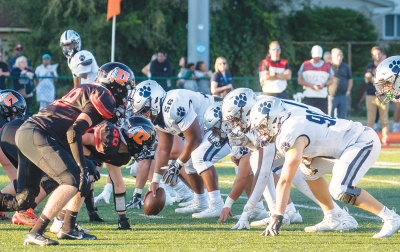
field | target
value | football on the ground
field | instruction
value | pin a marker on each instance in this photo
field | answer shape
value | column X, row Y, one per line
column 154, row 205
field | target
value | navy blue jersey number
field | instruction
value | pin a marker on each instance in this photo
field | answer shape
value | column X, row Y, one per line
column 320, row 119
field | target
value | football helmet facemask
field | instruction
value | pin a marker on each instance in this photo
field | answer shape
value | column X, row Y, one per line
column 139, row 134
column 267, row 116
column 387, row 81
column 12, row 105
column 212, row 121
column 236, row 108
column 69, row 37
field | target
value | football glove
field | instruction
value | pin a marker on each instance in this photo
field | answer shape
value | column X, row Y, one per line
column 245, row 217
column 305, row 167
column 170, row 177
column 273, row 226
column 84, row 182
column 135, row 202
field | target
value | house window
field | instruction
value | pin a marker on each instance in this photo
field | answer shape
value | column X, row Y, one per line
column 392, row 26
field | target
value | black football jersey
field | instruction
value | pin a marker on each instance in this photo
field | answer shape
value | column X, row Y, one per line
column 106, row 138
column 118, row 159
column 2, row 121
column 7, row 140
column 94, row 100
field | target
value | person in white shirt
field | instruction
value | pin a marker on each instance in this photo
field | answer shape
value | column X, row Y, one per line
column 82, row 63
column 44, row 84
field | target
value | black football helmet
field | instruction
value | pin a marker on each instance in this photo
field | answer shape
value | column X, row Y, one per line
column 118, row 78
column 139, row 134
column 12, row 104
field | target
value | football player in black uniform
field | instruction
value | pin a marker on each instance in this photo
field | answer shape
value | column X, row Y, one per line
column 12, row 106
column 43, row 141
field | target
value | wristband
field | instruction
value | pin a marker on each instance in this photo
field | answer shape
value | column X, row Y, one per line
column 228, row 202
column 179, row 162
column 156, row 178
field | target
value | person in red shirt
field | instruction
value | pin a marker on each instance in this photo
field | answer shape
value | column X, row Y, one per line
column 275, row 72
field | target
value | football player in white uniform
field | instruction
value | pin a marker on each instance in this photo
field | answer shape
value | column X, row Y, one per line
column 240, row 156
column 305, row 133
column 180, row 112
column 387, row 80
column 236, row 112
column 82, row 63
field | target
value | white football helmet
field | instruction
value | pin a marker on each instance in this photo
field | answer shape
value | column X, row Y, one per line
column 69, row 37
column 267, row 116
column 387, row 81
column 212, row 120
column 236, row 108
column 146, row 99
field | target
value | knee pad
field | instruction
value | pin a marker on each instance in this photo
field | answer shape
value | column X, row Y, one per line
column 189, row 169
column 22, row 201
column 350, row 195
column 48, row 184
column 119, row 201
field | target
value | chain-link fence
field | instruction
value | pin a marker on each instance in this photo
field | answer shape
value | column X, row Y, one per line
column 357, row 107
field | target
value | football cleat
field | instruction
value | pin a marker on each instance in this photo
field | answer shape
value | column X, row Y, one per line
column 184, row 195
column 331, row 223
column 104, row 195
column 81, row 229
column 185, row 204
column 123, row 224
column 391, row 224
column 214, row 210
column 3, row 216
column 39, row 239
column 74, row 234
column 265, row 222
column 135, row 202
column 94, row 216
column 24, row 218
column 294, row 217
column 197, row 207
column 349, row 223
column 258, row 214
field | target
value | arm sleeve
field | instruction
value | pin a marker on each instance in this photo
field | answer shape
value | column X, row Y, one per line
column 287, row 66
column 264, row 67
column 187, row 76
column 94, row 115
column 74, row 135
column 349, row 75
column 182, row 114
column 152, row 68
column 214, row 77
column 169, row 74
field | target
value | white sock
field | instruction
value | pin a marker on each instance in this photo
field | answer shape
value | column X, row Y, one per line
column 108, row 187
column 260, row 205
column 214, row 195
column 290, row 207
column 336, row 209
column 199, row 196
column 386, row 212
column 137, row 190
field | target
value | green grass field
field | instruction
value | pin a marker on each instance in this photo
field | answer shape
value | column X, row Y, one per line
column 175, row 232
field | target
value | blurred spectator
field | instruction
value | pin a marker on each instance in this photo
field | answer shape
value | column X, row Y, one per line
column 372, row 101
column 316, row 75
column 340, row 89
column 328, row 57
column 22, row 81
column 18, row 51
column 203, row 81
column 275, row 72
column 396, row 117
column 146, row 69
column 162, row 68
column 45, row 90
column 221, row 80
column 4, row 71
column 182, row 71
column 190, row 78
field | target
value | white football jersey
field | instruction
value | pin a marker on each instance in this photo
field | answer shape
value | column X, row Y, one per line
column 328, row 137
column 180, row 108
column 84, row 62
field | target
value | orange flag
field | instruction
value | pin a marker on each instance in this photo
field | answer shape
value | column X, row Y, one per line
column 113, row 8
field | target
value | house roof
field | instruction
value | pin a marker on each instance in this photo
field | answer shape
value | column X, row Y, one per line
column 382, row 3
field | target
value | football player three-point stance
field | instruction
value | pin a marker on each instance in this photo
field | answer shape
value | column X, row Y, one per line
column 302, row 132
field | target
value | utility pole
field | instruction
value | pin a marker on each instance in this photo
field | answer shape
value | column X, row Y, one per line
column 199, row 31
